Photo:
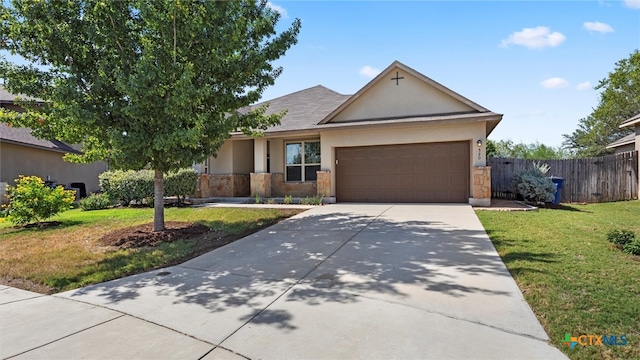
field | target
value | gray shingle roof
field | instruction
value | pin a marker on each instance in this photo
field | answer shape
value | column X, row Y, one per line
column 628, row 121
column 305, row 108
column 22, row 136
column 8, row 98
column 629, row 139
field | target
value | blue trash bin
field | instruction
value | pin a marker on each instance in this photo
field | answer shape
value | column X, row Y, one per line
column 559, row 185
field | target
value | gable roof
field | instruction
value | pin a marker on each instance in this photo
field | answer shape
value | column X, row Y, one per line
column 396, row 65
column 312, row 109
column 633, row 121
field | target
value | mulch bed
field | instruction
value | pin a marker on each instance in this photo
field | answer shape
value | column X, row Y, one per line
column 144, row 236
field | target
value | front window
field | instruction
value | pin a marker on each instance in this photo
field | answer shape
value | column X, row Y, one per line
column 303, row 160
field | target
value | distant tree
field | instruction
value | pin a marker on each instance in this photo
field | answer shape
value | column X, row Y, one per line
column 619, row 101
column 142, row 83
column 534, row 151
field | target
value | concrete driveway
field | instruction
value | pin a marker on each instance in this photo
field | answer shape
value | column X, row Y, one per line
column 335, row 282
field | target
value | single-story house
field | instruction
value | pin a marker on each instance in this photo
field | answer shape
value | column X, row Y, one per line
column 403, row 137
column 21, row 153
column 630, row 142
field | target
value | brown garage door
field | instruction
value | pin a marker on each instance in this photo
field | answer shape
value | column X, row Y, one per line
column 433, row 172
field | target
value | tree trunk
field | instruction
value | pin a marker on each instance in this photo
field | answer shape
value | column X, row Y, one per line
column 158, row 201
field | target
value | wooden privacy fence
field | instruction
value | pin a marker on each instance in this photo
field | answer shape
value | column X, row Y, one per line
column 600, row 179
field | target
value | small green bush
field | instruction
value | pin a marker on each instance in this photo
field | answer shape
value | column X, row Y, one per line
column 533, row 184
column 31, row 201
column 127, row 186
column 620, row 237
column 316, row 200
column 95, row 202
column 181, row 183
column 632, row 247
column 288, row 199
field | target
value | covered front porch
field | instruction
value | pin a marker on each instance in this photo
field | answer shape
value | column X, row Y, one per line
column 267, row 167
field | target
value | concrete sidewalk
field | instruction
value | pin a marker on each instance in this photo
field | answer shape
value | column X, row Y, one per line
column 338, row 281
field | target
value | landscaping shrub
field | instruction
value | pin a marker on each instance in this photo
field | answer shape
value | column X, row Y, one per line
column 288, row 199
column 127, row 186
column 137, row 186
column 632, row 247
column 316, row 200
column 533, row 184
column 95, row 202
column 31, row 201
column 620, row 237
column 181, row 183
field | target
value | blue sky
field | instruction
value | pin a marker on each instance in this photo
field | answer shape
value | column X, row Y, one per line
column 535, row 62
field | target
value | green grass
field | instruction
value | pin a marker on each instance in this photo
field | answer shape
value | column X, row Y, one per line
column 572, row 277
column 69, row 256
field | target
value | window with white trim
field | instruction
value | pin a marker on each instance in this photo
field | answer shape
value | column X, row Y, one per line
column 303, row 160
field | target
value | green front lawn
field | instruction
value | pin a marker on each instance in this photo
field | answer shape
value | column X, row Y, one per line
column 572, row 277
column 69, row 256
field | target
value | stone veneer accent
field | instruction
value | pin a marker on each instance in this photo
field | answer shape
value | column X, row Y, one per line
column 324, row 183
column 261, row 184
column 224, row 185
column 280, row 188
column 481, row 186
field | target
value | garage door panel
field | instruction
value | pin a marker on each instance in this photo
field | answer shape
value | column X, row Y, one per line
column 434, row 172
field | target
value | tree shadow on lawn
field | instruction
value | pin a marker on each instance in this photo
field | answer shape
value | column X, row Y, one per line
column 336, row 257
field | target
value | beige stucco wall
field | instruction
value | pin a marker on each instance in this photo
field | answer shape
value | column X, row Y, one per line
column 412, row 96
column 222, row 164
column 242, row 156
column 22, row 160
column 234, row 157
column 276, row 154
column 403, row 135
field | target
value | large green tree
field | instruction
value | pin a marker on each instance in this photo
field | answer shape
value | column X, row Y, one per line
column 619, row 101
column 143, row 83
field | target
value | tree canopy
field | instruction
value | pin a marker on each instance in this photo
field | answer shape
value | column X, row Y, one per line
column 142, row 83
column 619, row 101
column 534, row 151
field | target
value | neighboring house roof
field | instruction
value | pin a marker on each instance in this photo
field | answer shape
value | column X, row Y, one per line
column 314, row 108
column 633, row 121
column 22, row 136
column 9, row 98
column 626, row 140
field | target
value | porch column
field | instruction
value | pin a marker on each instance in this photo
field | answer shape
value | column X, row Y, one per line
column 261, row 184
column 259, row 155
column 481, row 186
column 323, row 183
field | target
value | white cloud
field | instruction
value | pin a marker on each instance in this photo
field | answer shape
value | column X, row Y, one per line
column 369, row 72
column 597, row 27
column 535, row 38
column 554, row 83
column 634, row 4
column 279, row 9
column 583, row 86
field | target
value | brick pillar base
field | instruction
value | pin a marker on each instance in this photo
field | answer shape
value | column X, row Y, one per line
column 481, row 186
column 261, row 184
column 324, row 183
